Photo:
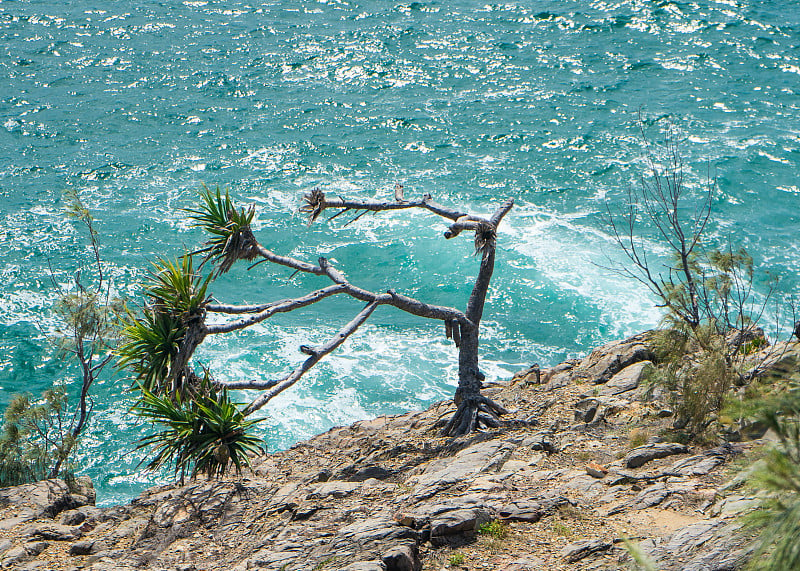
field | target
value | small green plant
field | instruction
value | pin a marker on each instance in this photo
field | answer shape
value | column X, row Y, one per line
column 638, row 437
column 456, row 558
column 562, row 529
column 322, row 564
column 495, row 529
column 642, row 561
column 31, row 441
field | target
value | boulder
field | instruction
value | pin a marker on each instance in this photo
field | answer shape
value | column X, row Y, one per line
column 643, row 454
column 459, row 522
column 626, row 380
column 402, row 558
column 605, row 362
column 582, row 549
column 533, row 509
column 81, row 548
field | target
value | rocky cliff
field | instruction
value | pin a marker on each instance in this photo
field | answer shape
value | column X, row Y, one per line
column 575, row 472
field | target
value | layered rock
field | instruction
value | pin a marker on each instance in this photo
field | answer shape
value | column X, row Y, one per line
column 556, row 487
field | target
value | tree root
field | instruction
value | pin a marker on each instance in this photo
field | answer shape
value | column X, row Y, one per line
column 472, row 413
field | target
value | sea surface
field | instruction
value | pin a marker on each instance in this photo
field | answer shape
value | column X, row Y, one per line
column 135, row 105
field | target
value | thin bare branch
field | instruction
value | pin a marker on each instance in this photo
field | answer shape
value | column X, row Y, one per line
column 315, row 354
column 272, row 309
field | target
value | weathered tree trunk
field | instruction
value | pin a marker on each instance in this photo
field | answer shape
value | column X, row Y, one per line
column 473, row 408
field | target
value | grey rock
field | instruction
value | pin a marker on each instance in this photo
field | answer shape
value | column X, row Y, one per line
column 81, row 548
column 540, row 441
column 374, row 530
column 604, row 362
column 456, row 523
column 34, row 548
column 204, row 503
column 703, row 463
column 13, row 556
column 366, row 566
column 525, row 563
column 586, row 409
column 648, row 497
column 54, row 532
column 533, row 509
column 582, row 549
column 12, row 522
column 402, row 558
column 334, row 489
column 644, row 454
column 625, row 380
column 47, row 497
column 482, row 457
column 368, row 472
column 80, row 515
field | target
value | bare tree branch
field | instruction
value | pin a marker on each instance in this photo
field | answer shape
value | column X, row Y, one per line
column 315, row 354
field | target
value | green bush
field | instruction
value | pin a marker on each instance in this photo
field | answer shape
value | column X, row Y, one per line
column 778, row 546
column 33, row 439
column 495, row 528
column 205, row 434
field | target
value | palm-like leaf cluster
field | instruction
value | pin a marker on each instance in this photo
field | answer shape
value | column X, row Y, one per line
column 152, row 342
column 200, row 431
column 203, row 435
column 231, row 237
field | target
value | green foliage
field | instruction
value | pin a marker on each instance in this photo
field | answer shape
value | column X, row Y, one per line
column 495, row 528
column 175, row 288
column 39, row 436
column 206, row 434
column 151, row 342
column 456, row 558
column 779, row 517
column 231, row 238
column 641, row 560
column 34, row 438
column 562, row 529
column 200, row 430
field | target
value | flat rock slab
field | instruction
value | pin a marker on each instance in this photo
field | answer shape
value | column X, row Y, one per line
column 648, row 497
column 335, row 489
column 533, row 509
column 702, row 464
column 366, row 566
column 625, row 380
column 582, row 549
column 482, row 457
column 47, row 497
column 644, row 454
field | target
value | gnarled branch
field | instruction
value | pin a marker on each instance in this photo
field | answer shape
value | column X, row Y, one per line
column 315, row 354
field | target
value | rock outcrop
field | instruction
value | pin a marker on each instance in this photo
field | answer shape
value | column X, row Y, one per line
column 557, row 486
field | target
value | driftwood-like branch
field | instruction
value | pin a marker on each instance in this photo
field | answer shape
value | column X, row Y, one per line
column 316, row 201
column 315, row 354
column 282, row 307
column 462, row 327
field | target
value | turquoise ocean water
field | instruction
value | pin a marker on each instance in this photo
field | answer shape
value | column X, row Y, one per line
column 136, row 104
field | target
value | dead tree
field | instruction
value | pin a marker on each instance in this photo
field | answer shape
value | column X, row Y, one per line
column 233, row 240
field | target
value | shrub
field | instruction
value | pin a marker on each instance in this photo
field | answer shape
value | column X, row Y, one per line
column 495, row 529
column 205, row 434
